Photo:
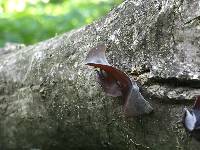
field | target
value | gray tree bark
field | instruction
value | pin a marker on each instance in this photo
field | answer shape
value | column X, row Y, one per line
column 50, row 100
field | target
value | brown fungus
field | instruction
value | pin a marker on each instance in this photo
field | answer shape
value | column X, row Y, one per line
column 116, row 83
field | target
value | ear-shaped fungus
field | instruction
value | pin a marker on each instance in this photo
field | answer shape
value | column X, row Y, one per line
column 197, row 103
column 116, row 83
column 191, row 120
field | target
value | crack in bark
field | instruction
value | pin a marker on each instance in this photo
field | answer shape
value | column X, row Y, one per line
column 175, row 82
column 196, row 18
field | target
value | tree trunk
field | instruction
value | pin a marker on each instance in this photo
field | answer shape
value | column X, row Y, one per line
column 50, row 100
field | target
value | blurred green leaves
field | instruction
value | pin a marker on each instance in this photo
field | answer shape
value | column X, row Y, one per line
column 45, row 18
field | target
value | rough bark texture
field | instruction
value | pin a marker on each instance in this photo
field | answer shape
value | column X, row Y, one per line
column 50, row 100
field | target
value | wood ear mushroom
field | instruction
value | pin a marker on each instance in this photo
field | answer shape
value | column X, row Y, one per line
column 116, row 83
column 191, row 120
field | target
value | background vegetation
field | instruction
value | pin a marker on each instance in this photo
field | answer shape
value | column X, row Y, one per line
column 30, row 21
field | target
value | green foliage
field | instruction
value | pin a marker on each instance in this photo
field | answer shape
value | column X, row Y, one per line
column 41, row 21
